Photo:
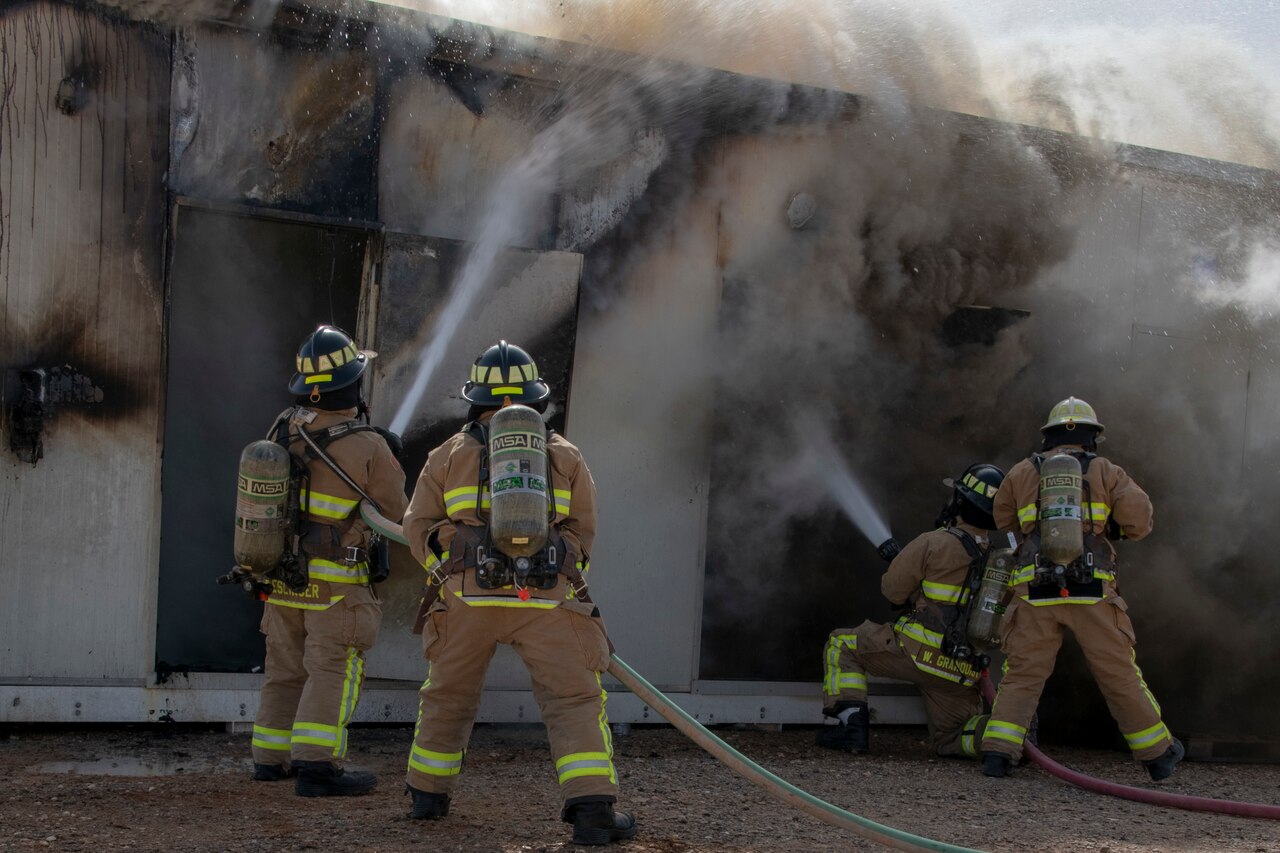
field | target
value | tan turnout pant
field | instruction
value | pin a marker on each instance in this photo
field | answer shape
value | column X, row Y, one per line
column 314, row 673
column 565, row 651
column 1105, row 634
column 954, row 712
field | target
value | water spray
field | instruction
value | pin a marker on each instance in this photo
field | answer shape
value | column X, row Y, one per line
column 829, row 466
column 520, row 187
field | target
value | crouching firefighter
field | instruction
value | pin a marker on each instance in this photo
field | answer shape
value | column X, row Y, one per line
column 1068, row 503
column 321, row 613
column 953, row 585
column 503, row 517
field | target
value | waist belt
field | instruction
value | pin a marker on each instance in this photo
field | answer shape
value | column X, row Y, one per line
column 324, row 541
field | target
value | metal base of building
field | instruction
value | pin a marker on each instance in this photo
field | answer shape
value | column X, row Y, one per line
column 233, row 699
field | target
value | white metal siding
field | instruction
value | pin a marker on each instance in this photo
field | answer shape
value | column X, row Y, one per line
column 80, row 206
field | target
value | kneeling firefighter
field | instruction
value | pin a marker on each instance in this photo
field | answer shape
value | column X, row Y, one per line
column 1067, row 503
column 953, row 585
column 503, row 517
column 321, row 613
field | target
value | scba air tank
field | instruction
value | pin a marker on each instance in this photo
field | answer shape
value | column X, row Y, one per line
column 262, row 507
column 1061, row 513
column 518, row 488
column 989, row 602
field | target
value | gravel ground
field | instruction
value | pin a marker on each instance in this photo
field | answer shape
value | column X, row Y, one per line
column 176, row 788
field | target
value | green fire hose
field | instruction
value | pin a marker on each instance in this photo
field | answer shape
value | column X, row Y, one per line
column 727, row 755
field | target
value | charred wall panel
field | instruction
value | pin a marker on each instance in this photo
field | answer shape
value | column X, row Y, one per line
column 83, row 118
column 440, row 161
column 261, row 121
column 243, row 293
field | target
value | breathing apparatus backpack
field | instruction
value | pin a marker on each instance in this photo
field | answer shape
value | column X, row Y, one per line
column 273, row 536
column 974, row 627
column 1062, row 551
column 521, row 548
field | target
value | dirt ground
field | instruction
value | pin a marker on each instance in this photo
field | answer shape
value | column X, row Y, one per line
column 177, row 788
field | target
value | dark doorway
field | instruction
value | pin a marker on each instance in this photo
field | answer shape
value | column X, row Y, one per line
column 243, row 293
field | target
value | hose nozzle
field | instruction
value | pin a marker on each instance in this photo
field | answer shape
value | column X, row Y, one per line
column 888, row 549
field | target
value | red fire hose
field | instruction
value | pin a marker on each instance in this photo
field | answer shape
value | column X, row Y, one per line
column 1141, row 795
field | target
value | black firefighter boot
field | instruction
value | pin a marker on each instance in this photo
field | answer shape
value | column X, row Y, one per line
column 595, row 822
column 271, row 772
column 322, row 779
column 850, row 732
column 426, row 805
column 1163, row 767
column 995, row 764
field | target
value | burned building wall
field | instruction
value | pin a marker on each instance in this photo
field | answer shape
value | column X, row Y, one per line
column 83, row 130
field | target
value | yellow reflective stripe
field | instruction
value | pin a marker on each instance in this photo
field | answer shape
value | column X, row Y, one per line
column 435, row 763
column 266, row 738
column 326, row 506
column 505, row 601
column 298, row 605
column 1147, row 737
column 606, row 734
column 1075, row 599
column 327, row 570
column 1024, row 575
column 1133, row 657
column 353, row 678
column 1010, row 732
column 432, row 563
column 1027, row 514
column 909, row 628
column 1098, row 512
column 502, row 390
column 578, row 764
column 833, row 677
column 851, row 681
column 968, row 736
column 941, row 673
column 944, row 592
column 562, row 498
column 583, row 567
column 464, row 498
column 318, row 377
column 319, row 734
column 1103, row 575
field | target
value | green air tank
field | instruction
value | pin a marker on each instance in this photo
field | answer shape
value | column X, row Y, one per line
column 518, row 486
column 1061, row 514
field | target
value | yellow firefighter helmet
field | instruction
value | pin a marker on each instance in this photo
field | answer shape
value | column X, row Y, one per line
column 1071, row 413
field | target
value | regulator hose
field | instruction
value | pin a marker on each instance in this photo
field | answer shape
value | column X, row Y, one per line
column 1141, row 795
column 736, row 761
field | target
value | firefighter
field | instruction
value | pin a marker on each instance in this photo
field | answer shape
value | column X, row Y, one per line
column 556, row 630
column 929, row 578
column 317, row 635
column 1081, row 598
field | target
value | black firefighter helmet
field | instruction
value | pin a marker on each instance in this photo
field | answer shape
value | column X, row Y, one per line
column 504, row 370
column 978, row 485
column 327, row 361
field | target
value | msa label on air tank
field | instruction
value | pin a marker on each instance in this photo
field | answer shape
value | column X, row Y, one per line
column 263, row 488
column 1060, row 481
column 517, row 441
column 519, row 484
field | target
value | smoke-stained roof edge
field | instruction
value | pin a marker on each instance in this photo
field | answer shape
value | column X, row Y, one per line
column 548, row 60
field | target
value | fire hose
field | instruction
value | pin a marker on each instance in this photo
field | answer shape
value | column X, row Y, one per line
column 1140, row 795
column 727, row 755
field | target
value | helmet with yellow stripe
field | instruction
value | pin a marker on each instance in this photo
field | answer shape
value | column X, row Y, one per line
column 504, row 370
column 328, row 360
column 978, row 485
column 1071, row 413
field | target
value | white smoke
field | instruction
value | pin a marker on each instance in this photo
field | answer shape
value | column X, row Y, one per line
column 1255, row 289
